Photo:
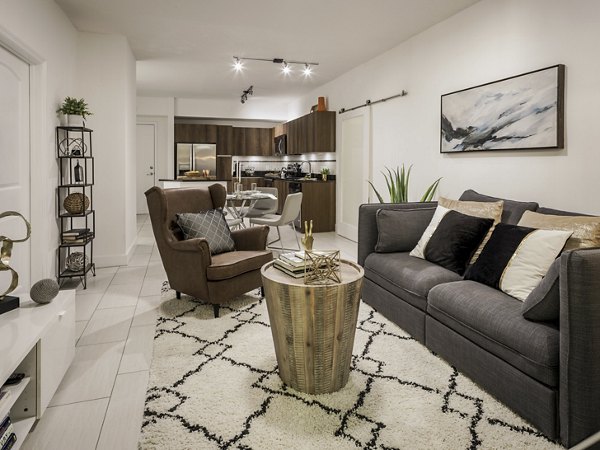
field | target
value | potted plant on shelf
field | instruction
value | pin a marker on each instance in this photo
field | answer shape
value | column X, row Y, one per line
column 324, row 173
column 74, row 111
column 397, row 184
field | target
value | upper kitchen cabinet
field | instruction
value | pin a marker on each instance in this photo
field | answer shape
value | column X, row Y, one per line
column 312, row 133
column 224, row 139
column 252, row 141
column 195, row 133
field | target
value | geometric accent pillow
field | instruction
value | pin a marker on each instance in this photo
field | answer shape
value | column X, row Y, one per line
column 586, row 229
column 210, row 225
column 516, row 258
column 455, row 240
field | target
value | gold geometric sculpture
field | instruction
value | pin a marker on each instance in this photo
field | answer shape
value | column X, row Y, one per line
column 322, row 267
column 6, row 252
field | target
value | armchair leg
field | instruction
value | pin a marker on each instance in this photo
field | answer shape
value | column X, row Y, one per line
column 216, row 311
column 178, row 295
column 262, row 291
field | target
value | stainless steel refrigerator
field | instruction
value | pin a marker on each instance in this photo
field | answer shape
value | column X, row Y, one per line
column 199, row 157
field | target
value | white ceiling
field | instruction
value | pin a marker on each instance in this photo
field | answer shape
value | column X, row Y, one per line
column 184, row 48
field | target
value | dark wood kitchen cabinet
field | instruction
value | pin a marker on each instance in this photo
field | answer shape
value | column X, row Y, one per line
column 204, row 134
column 224, row 139
column 252, row 141
column 318, row 204
column 312, row 133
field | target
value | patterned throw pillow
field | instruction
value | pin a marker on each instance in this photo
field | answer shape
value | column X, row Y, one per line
column 516, row 258
column 210, row 225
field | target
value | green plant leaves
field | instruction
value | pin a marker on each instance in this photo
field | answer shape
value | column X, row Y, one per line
column 397, row 182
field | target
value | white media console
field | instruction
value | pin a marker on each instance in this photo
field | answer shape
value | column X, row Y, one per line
column 39, row 341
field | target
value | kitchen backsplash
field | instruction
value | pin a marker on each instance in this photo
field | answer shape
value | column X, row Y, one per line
column 275, row 163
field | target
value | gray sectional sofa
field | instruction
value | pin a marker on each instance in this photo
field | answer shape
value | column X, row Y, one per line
column 548, row 372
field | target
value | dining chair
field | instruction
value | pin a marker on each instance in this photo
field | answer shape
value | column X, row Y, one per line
column 291, row 210
column 265, row 205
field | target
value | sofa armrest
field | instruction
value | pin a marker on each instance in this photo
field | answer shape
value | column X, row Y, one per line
column 253, row 238
column 579, row 345
column 367, row 224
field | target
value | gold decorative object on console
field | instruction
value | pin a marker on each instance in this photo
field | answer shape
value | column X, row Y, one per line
column 308, row 240
column 6, row 252
column 322, row 267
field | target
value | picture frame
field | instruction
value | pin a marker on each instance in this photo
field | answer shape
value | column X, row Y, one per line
column 523, row 112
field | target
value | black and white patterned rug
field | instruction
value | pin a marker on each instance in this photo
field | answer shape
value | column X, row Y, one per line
column 214, row 385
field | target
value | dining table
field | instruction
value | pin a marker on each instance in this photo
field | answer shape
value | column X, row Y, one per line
column 239, row 203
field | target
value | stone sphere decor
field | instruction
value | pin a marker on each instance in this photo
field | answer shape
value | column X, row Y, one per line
column 76, row 203
column 44, row 291
column 76, row 262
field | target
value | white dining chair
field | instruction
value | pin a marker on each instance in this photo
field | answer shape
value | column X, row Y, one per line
column 291, row 210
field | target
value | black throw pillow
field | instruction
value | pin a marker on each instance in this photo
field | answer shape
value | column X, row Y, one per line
column 455, row 240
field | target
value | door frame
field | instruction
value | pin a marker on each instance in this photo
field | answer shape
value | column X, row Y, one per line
column 42, row 258
column 350, row 231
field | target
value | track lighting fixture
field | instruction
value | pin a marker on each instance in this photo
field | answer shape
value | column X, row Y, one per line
column 237, row 64
column 246, row 93
column 286, row 65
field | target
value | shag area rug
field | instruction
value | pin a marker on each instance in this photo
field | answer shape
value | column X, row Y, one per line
column 214, row 385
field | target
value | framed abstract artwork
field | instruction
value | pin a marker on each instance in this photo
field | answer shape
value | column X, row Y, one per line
column 518, row 113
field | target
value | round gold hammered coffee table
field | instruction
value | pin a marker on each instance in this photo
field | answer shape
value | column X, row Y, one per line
column 313, row 327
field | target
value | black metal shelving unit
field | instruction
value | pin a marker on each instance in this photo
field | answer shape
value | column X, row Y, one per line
column 75, row 175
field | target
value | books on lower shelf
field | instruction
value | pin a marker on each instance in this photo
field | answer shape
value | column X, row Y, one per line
column 7, row 434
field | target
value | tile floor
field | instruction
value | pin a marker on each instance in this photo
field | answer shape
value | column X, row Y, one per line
column 100, row 402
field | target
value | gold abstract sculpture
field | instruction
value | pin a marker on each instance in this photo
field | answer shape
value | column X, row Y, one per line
column 322, row 267
column 6, row 252
column 308, row 240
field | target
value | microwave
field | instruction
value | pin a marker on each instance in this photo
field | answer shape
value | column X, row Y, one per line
column 281, row 144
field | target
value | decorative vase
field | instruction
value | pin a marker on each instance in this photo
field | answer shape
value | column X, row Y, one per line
column 76, row 203
column 78, row 173
column 76, row 262
column 321, row 105
column 324, row 176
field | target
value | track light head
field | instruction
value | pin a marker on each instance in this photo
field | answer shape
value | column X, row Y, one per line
column 286, row 69
column 237, row 64
column 307, row 70
column 245, row 93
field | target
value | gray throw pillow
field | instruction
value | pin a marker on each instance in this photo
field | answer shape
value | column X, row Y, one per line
column 543, row 303
column 210, row 225
column 399, row 230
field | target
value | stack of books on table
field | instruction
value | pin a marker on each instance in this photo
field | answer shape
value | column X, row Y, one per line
column 76, row 235
column 7, row 434
column 291, row 264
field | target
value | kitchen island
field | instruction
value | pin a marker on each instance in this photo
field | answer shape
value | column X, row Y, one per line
column 167, row 183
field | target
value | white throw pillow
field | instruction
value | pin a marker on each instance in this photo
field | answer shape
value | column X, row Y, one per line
column 419, row 250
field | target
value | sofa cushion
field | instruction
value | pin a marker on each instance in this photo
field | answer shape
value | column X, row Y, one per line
column 488, row 210
column 512, row 211
column 399, row 229
column 585, row 229
column 493, row 320
column 543, row 303
column 516, row 258
column 210, row 225
column 231, row 264
column 407, row 277
column 455, row 240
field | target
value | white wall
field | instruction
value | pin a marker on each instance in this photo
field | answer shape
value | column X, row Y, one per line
column 488, row 41
column 43, row 36
column 106, row 79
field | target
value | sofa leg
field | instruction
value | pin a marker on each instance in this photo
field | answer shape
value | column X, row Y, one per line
column 262, row 291
column 178, row 295
column 216, row 311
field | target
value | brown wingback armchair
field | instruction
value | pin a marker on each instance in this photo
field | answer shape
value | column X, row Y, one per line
column 190, row 267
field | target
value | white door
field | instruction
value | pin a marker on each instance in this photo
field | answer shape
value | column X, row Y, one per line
column 145, row 164
column 14, row 162
column 354, row 166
